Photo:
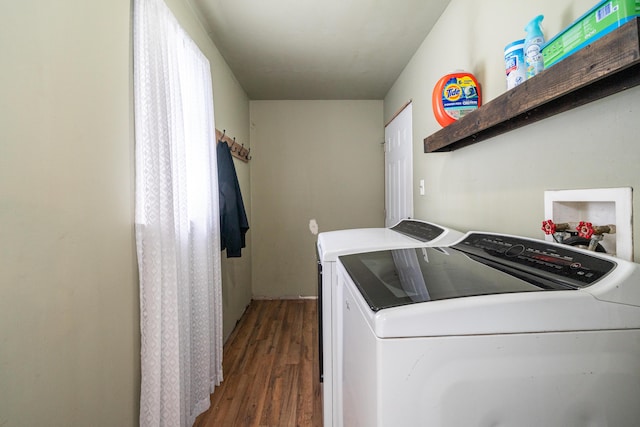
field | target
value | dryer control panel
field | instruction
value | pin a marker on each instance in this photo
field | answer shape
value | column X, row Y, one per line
column 419, row 230
column 575, row 269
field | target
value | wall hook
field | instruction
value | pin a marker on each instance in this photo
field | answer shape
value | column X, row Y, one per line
column 238, row 151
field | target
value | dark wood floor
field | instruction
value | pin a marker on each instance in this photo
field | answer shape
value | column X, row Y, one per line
column 270, row 369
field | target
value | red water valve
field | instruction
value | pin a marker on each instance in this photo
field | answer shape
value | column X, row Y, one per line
column 585, row 229
column 548, row 227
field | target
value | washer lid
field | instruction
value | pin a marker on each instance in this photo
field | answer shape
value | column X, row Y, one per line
column 407, row 276
column 479, row 265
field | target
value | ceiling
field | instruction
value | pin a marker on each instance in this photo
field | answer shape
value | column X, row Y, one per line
column 318, row 49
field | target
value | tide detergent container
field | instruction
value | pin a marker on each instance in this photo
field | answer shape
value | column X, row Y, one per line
column 454, row 96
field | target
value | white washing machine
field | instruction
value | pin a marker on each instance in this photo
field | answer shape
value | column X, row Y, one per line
column 406, row 234
column 494, row 330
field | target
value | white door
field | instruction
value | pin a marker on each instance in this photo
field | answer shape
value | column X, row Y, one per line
column 398, row 163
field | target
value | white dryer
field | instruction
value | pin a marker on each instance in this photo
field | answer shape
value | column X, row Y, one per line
column 406, row 234
column 494, row 330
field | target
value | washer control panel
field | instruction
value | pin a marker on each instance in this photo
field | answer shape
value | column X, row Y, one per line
column 557, row 262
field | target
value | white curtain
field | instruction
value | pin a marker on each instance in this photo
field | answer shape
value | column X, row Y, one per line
column 177, row 220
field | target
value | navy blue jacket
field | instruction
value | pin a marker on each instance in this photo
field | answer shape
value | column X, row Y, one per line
column 233, row 218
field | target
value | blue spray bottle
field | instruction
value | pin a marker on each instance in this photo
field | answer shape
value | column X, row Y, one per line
column 533, row 47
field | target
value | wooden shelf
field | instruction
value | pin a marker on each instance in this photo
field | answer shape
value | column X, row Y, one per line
column 609, row 65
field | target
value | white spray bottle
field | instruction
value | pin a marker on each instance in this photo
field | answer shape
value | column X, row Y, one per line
column 533, row 47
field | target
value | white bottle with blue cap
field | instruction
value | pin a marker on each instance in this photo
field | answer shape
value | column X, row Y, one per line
column 533, row 47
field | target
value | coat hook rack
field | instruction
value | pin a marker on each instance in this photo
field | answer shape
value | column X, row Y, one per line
column 237, row 150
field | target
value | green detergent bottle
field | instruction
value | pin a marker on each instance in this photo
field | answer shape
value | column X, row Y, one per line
column 533, row 43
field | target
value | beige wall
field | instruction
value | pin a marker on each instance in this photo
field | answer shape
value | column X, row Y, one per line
column 69, row 316
column 499, row 184
column 69, row 340
column 320, row 160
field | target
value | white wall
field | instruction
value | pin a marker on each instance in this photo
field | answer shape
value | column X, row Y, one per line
column 499, row 184
column 320, row 160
